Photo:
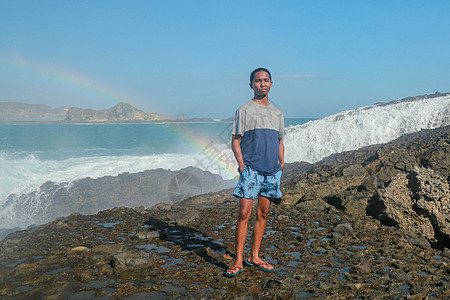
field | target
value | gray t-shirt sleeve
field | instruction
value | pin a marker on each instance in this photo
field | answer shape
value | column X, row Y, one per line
column 238, row 123
column 281, row 128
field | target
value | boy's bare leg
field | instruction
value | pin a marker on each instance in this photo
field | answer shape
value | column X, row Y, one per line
column 245, row 209
column 259, row 228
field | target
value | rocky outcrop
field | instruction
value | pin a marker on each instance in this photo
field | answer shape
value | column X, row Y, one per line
column 121, row 112
column 88, row 196
column 349, row 179
column 15, row 111
column 418, row 202
column 415, row 98
column 22, row 112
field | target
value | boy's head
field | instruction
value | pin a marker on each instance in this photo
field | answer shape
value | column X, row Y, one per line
column 260, row 82
column 252, row 75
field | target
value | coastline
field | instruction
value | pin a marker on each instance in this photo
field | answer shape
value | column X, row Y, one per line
column 320, row 239
column 196, row 120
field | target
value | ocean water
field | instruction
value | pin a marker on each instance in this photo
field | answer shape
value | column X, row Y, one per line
column 30, row 155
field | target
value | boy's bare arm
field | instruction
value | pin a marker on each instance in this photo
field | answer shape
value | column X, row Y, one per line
column 281, row 154
column 236, row 147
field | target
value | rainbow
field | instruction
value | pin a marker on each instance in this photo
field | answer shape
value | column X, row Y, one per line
column 208, row 152
column 73, row 79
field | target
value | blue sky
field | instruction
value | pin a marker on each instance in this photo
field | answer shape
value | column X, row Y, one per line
column 195, row 56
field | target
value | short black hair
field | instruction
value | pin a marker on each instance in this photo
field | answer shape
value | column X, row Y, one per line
column 252, row 75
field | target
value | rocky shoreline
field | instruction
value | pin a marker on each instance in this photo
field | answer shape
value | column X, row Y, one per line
column 328, row 239
column 89, row 196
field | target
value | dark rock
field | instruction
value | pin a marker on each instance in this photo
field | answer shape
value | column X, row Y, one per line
column 355, row 170
column 108, row 248
column 182, row 217
column 5, row 231
column 370, row 183
column 147, row 235
column 134, row 259
column 446, row 252
column 300, row 238
column 419, row 241
column 361, row 268
column 283, row 218
column 418, row 202
column 400, row 276
column 201, row 251
column 428, row 184
column 343, row 229
column 272, row 285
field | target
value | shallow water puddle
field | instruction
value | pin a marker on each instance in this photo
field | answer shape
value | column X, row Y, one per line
column 59, row 270
column 303, row 295
column 170, row 262
column 342, row 273
column 310, row 241
column 108, row 225
column 359, row 247
column 154, row 247
column 269, row 232
column 404, row 288
column 98, row 284
column 297, row 255
column 14, row 264
column 24, row 288
column 324, row 274
column 322, row 250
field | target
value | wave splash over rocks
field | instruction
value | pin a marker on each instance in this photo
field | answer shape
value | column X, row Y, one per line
column 376, row 124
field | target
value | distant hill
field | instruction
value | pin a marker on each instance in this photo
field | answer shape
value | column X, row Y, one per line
column 120, row 112
column 15, row 111
column 22, row 112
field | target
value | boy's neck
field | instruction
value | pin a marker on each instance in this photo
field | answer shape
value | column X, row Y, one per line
column 261, row 100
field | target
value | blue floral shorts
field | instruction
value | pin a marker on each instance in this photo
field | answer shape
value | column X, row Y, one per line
column 252, row 184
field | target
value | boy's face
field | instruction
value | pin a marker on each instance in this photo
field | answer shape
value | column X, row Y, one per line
column 261, row 84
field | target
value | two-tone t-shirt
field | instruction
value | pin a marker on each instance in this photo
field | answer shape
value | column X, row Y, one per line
column 261, row 128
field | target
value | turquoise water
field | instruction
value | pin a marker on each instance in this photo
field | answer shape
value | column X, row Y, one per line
column 63, row 141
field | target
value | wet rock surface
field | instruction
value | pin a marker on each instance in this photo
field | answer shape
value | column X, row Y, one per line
column 320, row 240
column 317, row 254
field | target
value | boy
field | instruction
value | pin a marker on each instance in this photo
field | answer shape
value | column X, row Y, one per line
column 257, row 144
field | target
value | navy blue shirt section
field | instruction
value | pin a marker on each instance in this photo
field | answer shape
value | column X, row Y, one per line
column 260, row 128
column 260, row 149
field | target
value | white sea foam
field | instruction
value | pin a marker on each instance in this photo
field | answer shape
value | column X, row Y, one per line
column 27, row 174
column 353, row 129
